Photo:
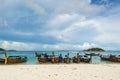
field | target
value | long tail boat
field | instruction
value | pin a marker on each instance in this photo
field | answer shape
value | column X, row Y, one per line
column 67, row 59
column 86, row 59
column 42, row 58
column 2, row 60
column 12, row 59
column 16, row 59
column 54, row 59
column 77, row 59
column 112, row 58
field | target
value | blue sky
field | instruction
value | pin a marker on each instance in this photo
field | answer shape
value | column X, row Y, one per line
column 59, row 24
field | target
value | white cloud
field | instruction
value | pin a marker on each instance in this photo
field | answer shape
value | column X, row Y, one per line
column 109, row 29
column 79, row 24
column 32, row 46
column 63, row 18
column 71, row 32
column 71, row 16
column 35, row 7
column 78, row 6
column 67, row 19
column 87, row 45
column 15, row 45
column 31, row 4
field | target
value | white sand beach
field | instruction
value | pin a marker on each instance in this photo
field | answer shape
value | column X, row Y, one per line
column 60, row 72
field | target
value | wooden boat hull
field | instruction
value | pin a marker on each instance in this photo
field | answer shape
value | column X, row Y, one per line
column 43, row 60
column 86, row 60
column 16, row 59
column 113, row 59
column 55, row 60
column 2, row 61
column 67, row 60
column 12, row 59
column 76, row 60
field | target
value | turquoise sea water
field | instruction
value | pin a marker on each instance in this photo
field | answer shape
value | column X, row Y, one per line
column 32, row 59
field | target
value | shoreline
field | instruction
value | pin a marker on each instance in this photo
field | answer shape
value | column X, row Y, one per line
column 49, row 63
column 24, row 64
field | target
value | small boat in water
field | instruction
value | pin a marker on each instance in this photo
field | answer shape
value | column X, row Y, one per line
column 92, row 54
column 76, row 59
column 86, row 59
column 42, row 58
column 2, row 61
column 112, row 58
column 67, row 59
column 54, row 59
column 12, row 59
column 16, row 59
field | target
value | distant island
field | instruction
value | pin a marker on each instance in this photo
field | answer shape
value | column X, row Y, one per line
column 95, row 49
column 1, row 49
column 11, row 50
